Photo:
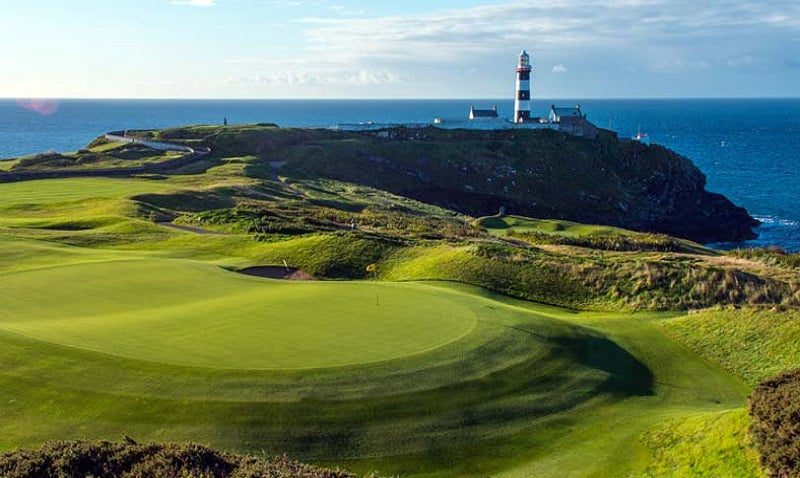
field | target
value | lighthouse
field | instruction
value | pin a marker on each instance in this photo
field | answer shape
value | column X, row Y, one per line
column 522, row 104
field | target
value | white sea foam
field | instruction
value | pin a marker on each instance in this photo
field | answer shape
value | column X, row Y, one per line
column 777, row 221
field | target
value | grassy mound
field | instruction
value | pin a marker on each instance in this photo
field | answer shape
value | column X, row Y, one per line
column 771, row 255
column 775, row 408
column 708, row 444
column 308, row 225
column 556, row 232
column 103, row 459
column 753, row 343
column 102, row 156
column 581, row 279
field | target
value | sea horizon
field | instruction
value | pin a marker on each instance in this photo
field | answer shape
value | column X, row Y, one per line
column 421, row 98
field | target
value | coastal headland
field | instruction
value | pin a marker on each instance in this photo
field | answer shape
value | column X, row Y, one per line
column 536, row 173
column 357, row 300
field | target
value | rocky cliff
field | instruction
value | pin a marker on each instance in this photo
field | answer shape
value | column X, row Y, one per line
column 536, row 173
column 532, row 173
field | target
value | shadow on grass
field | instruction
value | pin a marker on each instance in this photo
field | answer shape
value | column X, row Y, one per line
column 188, row 201
column 626, row 374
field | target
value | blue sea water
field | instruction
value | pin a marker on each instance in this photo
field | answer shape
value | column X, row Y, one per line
column 749, row 149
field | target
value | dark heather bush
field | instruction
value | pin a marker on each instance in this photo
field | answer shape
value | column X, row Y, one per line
column 102, row 459
column 775, row 409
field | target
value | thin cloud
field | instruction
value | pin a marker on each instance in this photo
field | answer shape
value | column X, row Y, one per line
column 343, row 78
column 195, row 3
column 550, row 26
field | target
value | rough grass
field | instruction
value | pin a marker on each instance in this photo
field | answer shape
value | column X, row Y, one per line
column 551, row 231
column 101, row 156
column 706, row 445
column 307, row 224
column 753, row 343
column 571, row 278
column 772, row 256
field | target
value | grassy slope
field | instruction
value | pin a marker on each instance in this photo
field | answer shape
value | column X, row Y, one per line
column 554, row 231
column 7, row 164
column 99, row 155
column 530, row 389
column 590, row 450
column 706, row 444
column 544, row 407
column 500, row 226
column 752, row 343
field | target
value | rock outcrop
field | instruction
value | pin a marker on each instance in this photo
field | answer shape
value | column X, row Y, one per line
column 532, row 173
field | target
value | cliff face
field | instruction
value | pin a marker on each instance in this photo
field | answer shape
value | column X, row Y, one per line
column 532, row 173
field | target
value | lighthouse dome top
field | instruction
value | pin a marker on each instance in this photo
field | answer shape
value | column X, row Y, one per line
column 524, row 59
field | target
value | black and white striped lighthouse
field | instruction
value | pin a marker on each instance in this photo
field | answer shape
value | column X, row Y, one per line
column 522, row 105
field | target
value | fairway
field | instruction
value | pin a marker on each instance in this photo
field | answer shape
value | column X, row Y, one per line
column 191, row 314
column 52, row 191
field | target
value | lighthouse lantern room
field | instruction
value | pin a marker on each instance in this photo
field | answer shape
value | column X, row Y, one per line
column 522, row 104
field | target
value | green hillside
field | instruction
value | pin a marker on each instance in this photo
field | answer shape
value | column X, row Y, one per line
column 415, row 378
column 559, row 232
column 433, row 343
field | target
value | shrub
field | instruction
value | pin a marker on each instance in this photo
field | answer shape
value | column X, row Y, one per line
column 775, row 409
column 102, row 459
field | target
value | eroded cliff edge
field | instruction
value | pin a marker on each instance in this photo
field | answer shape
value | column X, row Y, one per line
column 532, row 173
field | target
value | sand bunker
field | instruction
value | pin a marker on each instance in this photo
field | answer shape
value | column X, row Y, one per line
column 277, row 272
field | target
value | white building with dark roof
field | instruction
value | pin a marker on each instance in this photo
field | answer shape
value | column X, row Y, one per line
column 483, row 115
column 573, row 121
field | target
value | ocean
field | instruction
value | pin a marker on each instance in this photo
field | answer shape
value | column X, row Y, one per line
column 748, row 148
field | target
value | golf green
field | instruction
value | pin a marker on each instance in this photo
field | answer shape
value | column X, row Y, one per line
column 186, row 313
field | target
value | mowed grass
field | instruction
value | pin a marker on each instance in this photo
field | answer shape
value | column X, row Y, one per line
column 56, row 191
column 500, row 226
column 143, row 334
column 186, row 313
column 415, row 379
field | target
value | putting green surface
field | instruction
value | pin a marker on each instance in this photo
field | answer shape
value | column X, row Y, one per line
column 186, row 313
column 500, row 226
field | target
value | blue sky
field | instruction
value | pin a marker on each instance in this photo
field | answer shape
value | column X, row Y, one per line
column 400, row 49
